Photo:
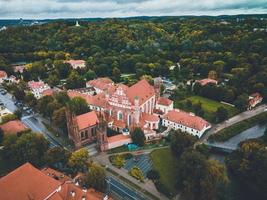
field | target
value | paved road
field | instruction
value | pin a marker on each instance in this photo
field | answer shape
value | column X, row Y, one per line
column 121, row 190
column 34, row 122
column 240, row 117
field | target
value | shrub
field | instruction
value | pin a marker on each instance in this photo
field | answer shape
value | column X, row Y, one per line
column 8, row 118
column 117, row 160
column 153, row 175
column 137, row 173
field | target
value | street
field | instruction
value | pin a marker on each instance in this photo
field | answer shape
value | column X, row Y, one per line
column 240, row 117
column 34, row 122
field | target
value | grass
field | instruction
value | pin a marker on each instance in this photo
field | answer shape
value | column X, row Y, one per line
column 209, row 106
column 237, row 128
column 164, row 163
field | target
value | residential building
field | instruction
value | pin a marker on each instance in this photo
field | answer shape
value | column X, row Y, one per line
column 19, row 69
column 3, row 76
column 164, row 105
column 30, row 183
column 76, row 63
column 13, row 127
column 253, row 100
column 101, row 84
column 3, row 112
column 37, row 88
column 186, row 122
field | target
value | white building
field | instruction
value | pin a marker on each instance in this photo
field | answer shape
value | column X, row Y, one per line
column 186, row 122
column 164, row 105
column 76, row 63
column 37, row 88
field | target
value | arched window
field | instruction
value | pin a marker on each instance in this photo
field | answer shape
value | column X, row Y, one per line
column 119, row 116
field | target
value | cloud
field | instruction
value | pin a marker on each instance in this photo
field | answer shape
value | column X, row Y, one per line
column 124, row 8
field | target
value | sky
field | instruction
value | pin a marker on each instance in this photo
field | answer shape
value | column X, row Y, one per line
column 48, row 9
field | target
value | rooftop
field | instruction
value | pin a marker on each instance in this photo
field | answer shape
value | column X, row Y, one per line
column 164, row 101
column 207, row 81
column 86, row 120
column 75, row 62
column 13, row 127
column 3, row 74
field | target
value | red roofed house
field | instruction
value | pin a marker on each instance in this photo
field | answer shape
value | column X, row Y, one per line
column 82, row 129
column 29, row 183
column 13, row 127
column 37, row 88
column 164, row 105
column 187, row 122
column 207, row 81
column 3, row 76
column 253, row 100
column 76, row 63
column 19, row 68
column 100, row 84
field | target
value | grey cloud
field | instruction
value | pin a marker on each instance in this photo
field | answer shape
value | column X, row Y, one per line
column 125, row 8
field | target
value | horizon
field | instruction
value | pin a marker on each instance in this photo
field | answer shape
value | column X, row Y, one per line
column 65, row 9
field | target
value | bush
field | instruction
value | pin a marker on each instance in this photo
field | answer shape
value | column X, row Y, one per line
column 137, row 173
column 8, row 118
column 117, row 160
column 153, row 175
column 162, row 188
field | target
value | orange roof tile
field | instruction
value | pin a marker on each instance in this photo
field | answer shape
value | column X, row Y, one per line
column 101, row 83
column 117, row 138
column 186, row 119
column 14, row 126
column 142, row 89
column 207, row 81
column 55, row 174
column 149, row 117
column 27, row 182
column 164, row 101
column 3, row 74
column 75, row 62
column 86, row 120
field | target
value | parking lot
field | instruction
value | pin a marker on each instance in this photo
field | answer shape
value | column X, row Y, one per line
column 141, row 161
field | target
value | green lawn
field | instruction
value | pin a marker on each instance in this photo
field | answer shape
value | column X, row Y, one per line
column 164, row 163
column 209, row 106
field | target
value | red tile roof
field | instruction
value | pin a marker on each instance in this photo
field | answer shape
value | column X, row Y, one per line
column 149, row 117
column 186, row 119
column 55, row 174
column 3, row 74
column 88, row 98
column 117, row 138
column 207, row 81
column 14, row 127
column 164, row 101
column 142, row 89
column 35, row 85
column 86, row 120
column 101, row 83
column 27, row 182
column 75, row 62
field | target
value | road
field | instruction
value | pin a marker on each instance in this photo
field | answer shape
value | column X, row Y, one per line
column 240, row 117
column 34, row 122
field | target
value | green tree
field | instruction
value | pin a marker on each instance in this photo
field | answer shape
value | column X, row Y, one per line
column 1, row 135
column 78, row 105
column 116, row 74
column 57, row 155
column 138, row 137
column 180, row 141
column 221, row 114
column 153, row 175
column 78, row 160
column 90, row 75
column 96, row 177
column 74, row 80
column 30, row 100
column 241, row 102
column 59, row 119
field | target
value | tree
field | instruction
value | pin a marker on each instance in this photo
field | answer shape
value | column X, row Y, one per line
column 90, row 74
column 30, row 100
column 153, row 175
column 198, row 109
column 59, row 118
column 248, row 166
column 138, row 137
column 180, row 141
column 96, row 177
column 78, row 160
column 1, row 135
column 53, row 79
column 75, row 81
column 57, row 156
column 221, row 114
column 241, row 102
column 78, row 105
column 200, row 178
column 116, row 74
column 29, row 147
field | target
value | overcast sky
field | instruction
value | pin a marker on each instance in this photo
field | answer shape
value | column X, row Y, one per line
column 44, row 9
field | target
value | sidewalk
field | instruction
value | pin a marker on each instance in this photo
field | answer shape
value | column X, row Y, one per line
column 147, row 185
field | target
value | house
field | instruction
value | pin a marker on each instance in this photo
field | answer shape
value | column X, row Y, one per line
column 3, row 76
column 28, row 182
column 13, row 127
column 206, row 81
column 19, row 69
column 253, row 100
column 164, row 105
column 186, row 122
column 37, row 88
column 100, row 84
column 76, row 63
column 82, row 128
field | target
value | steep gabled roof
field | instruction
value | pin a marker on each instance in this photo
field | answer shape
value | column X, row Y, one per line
column 87, row 120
